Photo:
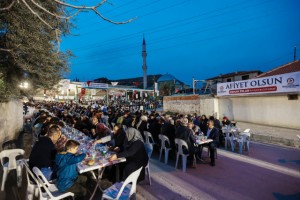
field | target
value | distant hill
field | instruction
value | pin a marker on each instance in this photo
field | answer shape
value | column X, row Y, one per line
column 131, row 81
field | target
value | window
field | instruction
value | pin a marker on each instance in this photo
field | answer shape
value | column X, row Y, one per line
column 245, row 77
column 229, row 80
column 292, row 96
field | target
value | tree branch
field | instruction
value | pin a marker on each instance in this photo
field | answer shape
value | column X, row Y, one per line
column 94, row 8
column 9, row 6
column 6, row 50
column 38, row 16
column 55, row 15
column 111, row 21
column 81, row 7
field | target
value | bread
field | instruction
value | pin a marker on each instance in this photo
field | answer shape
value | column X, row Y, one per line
column 91, row 162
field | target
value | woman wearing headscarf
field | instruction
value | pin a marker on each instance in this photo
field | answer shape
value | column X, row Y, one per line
column 134, row 153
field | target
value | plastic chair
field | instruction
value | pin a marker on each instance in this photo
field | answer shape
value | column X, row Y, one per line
column 12, row 163
column 148, row 137
column 244, row 139
column 10, row 144
column 123, row 190
column 51, row 189
column 33, row 188
column 163, row 140
column 149, row 150
column 180, row 144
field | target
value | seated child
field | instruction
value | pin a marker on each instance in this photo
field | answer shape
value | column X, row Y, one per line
column 67, row 175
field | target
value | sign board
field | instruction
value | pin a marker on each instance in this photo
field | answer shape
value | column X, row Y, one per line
column 94, row 85
column 283, row 83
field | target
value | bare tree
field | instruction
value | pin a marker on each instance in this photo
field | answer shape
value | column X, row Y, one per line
column 33, row 6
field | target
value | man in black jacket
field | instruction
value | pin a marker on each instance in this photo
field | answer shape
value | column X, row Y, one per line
column 43, row 152
column 212, row 133
column 186, row 134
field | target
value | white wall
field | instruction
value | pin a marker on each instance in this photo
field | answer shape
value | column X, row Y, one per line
column 269, row 110
column 182, row 104
column 11, row 120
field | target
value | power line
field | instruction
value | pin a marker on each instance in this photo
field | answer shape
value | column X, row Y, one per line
column 168, row 26
column 192, row 32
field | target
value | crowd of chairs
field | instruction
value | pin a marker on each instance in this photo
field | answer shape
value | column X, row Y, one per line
column 243, row 141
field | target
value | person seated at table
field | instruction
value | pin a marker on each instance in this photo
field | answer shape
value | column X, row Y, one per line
column 203, row 123
column 225, row 121
column 135, row 154
column 43, row 152
column 100, row 129
column 212, row 133
column 68, row 179
column 194, row 128
column 119, row 138
column 186, row 134
column 142, row 125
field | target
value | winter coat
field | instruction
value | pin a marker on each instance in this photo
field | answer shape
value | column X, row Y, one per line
column 67, row 169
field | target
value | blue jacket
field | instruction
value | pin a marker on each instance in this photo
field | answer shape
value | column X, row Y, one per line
column 67, row 169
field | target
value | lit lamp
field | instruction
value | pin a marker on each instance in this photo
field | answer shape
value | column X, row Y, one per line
column 24, row 85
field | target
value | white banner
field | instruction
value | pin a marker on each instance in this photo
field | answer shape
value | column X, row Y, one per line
column 94, row 85
column 114, row 83
column 273, row 84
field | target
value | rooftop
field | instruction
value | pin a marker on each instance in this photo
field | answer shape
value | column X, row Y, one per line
column 168, row 77
column 239, row 73
column 287, row 68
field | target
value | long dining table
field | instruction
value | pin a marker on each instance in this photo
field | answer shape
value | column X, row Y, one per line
column 98, row 153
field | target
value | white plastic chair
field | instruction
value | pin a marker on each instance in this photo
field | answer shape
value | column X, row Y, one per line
column 180, row 144
column 123, row 190
column 163, row 147
column 12, row 163
column 244, row 139
column 148, row 136
column 51, row 189
column 149, row 150
column 33, row 188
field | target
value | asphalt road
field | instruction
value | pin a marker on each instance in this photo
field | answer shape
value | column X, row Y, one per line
column 268, row 172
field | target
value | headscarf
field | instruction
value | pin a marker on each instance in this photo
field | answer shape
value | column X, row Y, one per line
column 133, row 135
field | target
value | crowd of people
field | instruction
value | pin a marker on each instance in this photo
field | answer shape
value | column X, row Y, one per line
column 116, row 126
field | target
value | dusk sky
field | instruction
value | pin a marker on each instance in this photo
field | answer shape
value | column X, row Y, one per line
column 186, row 38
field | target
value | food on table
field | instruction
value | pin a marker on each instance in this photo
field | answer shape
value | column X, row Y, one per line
column 91, row 162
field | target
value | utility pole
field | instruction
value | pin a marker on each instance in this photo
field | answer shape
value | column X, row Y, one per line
column 193, row 85
column 295, row 53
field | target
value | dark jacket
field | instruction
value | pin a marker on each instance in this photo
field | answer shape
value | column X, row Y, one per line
column 42, row 154
column 214, row 135
column 186, row 134
column 67, row 169
column 119, row 139
column 136, row 157
column 168, row 130
column 143, row 127
column 203, row 125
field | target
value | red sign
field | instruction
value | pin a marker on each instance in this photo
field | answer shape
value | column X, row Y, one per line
column 252, row 90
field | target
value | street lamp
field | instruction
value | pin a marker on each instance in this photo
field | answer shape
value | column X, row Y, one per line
column 24, row 85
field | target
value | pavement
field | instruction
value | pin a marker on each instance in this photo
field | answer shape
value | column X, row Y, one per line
column 272, row 134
